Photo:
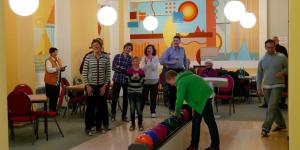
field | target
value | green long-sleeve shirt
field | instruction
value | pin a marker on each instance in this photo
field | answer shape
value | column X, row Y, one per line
column 193, row 89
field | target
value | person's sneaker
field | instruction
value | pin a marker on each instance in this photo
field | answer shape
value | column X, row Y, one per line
column 263, row 106
column 264, row 133
column 107, row 128
column 278, row 129
column 132, row 128
column 113, row 117
column 89, row 133
column 141, row 128
column 212, row 148
column 191, row 148
column 153, row 115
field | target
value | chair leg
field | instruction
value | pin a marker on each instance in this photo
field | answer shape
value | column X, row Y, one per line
column 229, row 103
column 60, row 131
column 34, row 132
column 37, row 128
column 12, row 133
column 216, row 104
column 233, row 106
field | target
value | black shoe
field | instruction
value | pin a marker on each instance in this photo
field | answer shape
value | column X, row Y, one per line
column 124, row 119
column 212, row 148
column 278, row 129
column 263, row 106
column 132, row 128
column 89, row 132
column 107, row 128
column 113, row 117
column 264, row 133
column 141, row 128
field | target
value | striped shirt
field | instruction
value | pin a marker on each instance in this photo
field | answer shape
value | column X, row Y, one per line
column 135, row 80
column 96, row 71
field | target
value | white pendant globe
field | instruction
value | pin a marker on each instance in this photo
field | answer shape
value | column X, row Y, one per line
column 24, row 7
column 234, row 10
column 248, row 20
column 150, row 23
column 107, row 15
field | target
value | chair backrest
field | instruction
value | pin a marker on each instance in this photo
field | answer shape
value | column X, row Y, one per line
column 77, row 80
column 18, row 104
column 65, row 82
column 62, row 93
column 24, row 88
column 230, row 85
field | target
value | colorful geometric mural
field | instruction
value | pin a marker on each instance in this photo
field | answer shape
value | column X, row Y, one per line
column 44, row 30
column 193, row 20
column 201, row 24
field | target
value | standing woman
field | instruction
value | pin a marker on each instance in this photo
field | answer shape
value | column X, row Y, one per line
column 150, row 66
column 53, row 69
column 96, row 76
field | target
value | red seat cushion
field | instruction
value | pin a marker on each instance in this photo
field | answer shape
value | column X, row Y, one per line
column 22, row 118
column 50, row 114
column 285, row 94
column 225, row 97
column 76, row 100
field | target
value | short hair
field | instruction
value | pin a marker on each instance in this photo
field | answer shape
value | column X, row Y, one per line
column 52, row 50
column 177, row 37
column 171, row 74
column 98, row 40
column 269, row 41
column 153, row 47
column 136, row 58
column 128, row 44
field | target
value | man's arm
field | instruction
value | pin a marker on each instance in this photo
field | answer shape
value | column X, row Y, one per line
column 49, row 67
column 164, row 59
column 85, row 71
column 185, row 62
column 107, row 78
column 259, row 76
column 285, row 65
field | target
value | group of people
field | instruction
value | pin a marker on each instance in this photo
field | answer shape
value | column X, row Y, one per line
column 139, row 76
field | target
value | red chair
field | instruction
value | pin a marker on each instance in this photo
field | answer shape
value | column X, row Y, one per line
column 226, row 93
column 52, row 114
column 20, row 110
column 24, row 88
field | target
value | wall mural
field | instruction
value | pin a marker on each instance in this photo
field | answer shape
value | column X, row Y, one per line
column 44, row 30
column 200, row 23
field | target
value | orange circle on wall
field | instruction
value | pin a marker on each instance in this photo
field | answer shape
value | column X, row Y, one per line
column 189, row 10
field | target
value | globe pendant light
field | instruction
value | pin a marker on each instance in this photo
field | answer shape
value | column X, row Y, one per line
column 107, row 15
column 234, row 10
column 150, row 23
column 24, row 7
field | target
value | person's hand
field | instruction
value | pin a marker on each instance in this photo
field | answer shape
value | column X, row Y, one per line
column 63, row 68
column 175, row 61
column 260, row 92
column 102, row 90
column 280, row 75
column 89, row 90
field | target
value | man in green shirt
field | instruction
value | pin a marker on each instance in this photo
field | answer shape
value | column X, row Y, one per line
column 197, row 94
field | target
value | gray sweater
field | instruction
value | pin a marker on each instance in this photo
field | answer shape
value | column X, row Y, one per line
column 268, row 66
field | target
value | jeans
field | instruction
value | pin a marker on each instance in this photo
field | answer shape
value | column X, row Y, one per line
column 135, row 100
column 273, row 97
column 115, row 96
column 52, row 92
column 153, row 89
column 96, row 110
column 209, row 119
column 172, row 92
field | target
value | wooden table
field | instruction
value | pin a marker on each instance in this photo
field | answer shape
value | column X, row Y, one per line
column 41, row 98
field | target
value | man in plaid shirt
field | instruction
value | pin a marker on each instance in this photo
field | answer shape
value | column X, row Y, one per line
column 121, row 63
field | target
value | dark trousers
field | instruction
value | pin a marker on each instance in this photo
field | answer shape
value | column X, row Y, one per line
column 96, row 110
column 135, row 100
column 153, row 90
column 52, row 92
column 116, row 91
column 172, row 92
column 209, row 119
